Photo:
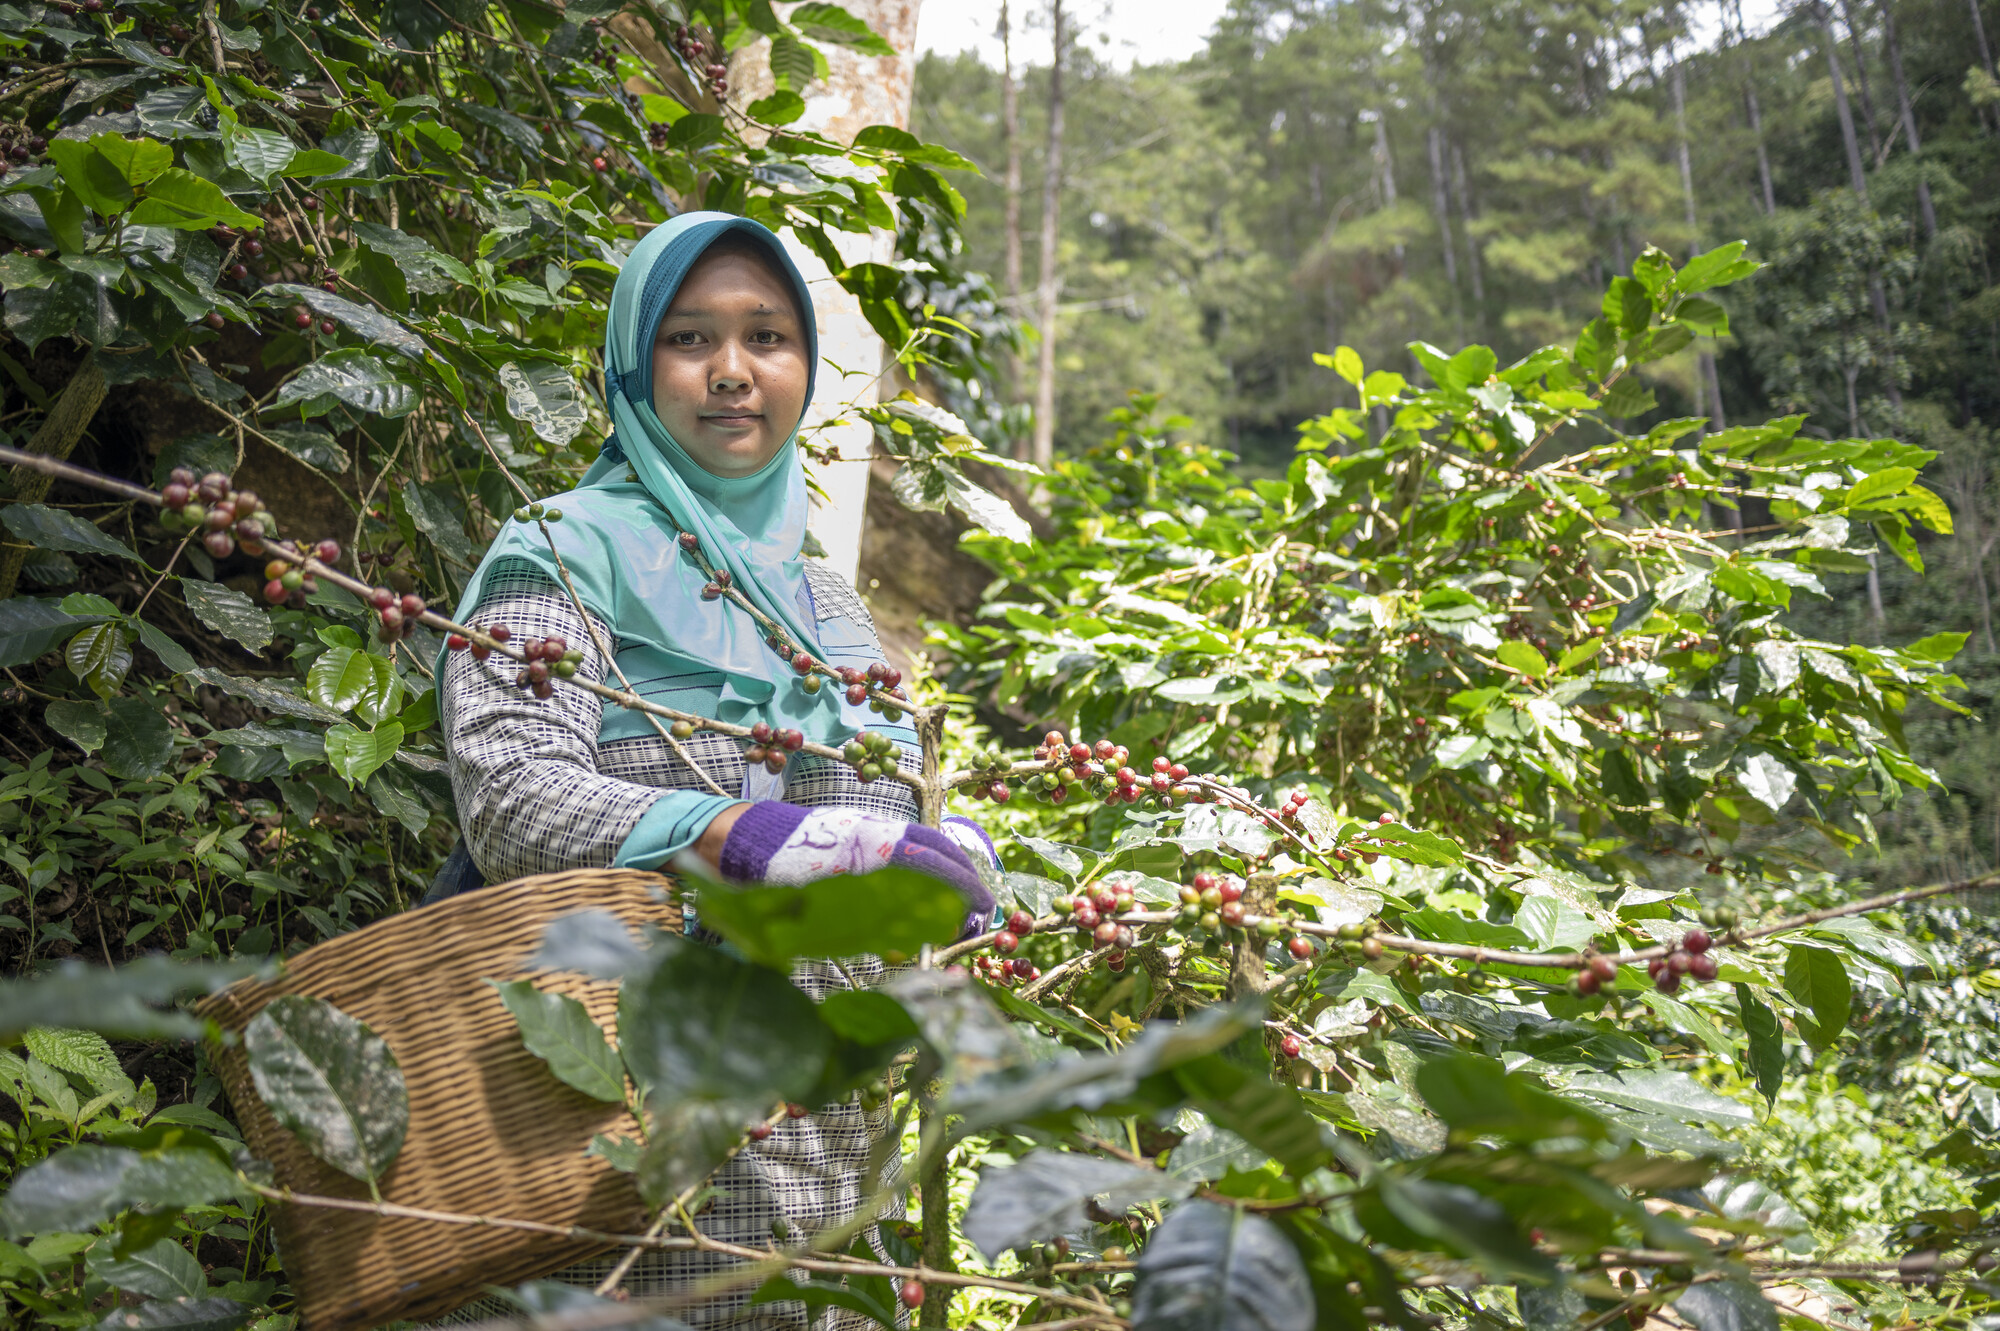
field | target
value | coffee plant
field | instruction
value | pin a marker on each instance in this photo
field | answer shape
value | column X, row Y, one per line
column 1430, row 874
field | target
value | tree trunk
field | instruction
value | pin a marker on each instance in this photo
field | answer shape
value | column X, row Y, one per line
column 1010, row 133
column 1857, row 175
column 1859, row 179
column 1770, row 198
column 1466, row 212
column 1049, row 283
column 1868, row 120
column 1704, row 359
column 1441, row 204
column 1385, row 173
column 68, row 417
column 858, row 91
column 1907, row 116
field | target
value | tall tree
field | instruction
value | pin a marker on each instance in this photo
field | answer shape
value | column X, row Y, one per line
column 1010, row 132
column 1925, row 206
column 1706, row 385
column 1049, row 280
column 1858, row 175
column 1861, row 88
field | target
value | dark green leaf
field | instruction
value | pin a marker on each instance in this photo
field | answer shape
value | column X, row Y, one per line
column 690, row 1140
column 330, row 1080
column 53, row 529
column 1479, row 1098
column 138, row 742
column 118, row 1003
column 1044, row 1196
column 1218, row 1268
column 84, row 1186
column 558, row 1030
column 364, row 322
column 1727, row 1305
column 81, row 723
column 160, row 1270
column 229, row 612
column 30, row 627
column 1817, row 980
column 1765, row 1059
column 892, row 910
column 1272, row 1118
column 705, row 1026
column 361, row 380
column 213, row 1314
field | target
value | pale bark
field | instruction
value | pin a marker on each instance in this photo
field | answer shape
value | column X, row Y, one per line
column 1704, row 362
column 1907, row 116
column 1010, row 133
column 1770, row 197
column 1861, row 88
column 1049, row 280
column 1466, row 212
column 858, row 91
column 1385, row 174
column 1876, row 296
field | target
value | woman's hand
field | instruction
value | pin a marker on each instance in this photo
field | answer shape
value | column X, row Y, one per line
column 774, row 842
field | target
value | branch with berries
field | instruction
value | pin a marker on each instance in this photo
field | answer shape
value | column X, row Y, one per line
column 233, row 520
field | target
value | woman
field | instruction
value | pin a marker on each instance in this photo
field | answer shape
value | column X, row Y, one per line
column 709, row 357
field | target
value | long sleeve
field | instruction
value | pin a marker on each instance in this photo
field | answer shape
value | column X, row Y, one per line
column 524, row 770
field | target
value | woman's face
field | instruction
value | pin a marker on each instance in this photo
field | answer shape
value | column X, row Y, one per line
column 729, row 364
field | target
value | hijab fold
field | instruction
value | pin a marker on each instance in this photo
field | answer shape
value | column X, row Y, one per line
column 619, row 535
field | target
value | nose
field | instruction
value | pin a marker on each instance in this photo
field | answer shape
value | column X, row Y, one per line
column 730, row 371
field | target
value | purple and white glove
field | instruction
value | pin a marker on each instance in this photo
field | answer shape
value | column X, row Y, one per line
column 776, row 842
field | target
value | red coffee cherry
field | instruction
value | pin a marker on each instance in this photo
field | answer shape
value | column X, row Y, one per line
column 1290, row 1046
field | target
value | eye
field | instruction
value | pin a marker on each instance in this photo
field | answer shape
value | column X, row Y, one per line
column 685, row 338
column 767, row 337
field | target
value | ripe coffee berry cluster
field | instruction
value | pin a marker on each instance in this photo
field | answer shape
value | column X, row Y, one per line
column 692, row 50
column 285, row 583
column 997, row 970
column 396, row 616
column 1597, row 973
column 1093, row 915
column 225, row 517
column 863, row 686
column 871, row 755
column 548, row 659
column 1101, row 769
column 1289, row 810
column 772, row 747
column 1690, row 959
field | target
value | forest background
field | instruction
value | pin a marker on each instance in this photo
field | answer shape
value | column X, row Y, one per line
column 1372, row 174
column 1362, row 177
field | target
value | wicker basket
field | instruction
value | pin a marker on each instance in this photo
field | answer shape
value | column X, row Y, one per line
column 491, row 1131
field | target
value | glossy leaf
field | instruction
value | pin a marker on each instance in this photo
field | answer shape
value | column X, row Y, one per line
column 138, row 742
column 1816, row 979
column 1044, row 1196
column 891, row 910
column 229, row 612
column 331, row 1081
column 30, row 627
column 1216, row 1268
column 705, row 1026
column 558, row 1030
column 53, row 529
column 83, row 1186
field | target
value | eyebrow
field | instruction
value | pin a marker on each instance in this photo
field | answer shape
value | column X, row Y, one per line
column 761, row 310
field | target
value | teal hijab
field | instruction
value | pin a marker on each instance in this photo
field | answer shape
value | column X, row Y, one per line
column 619, row 536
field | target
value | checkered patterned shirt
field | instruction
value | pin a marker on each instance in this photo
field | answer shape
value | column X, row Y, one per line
column 538, row 792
